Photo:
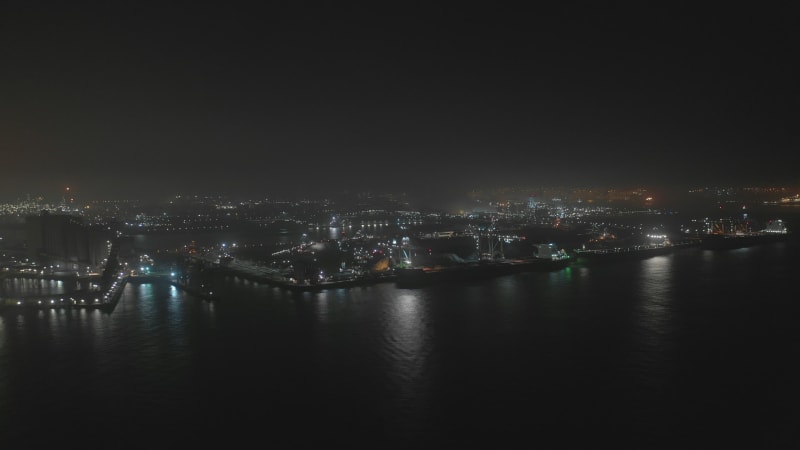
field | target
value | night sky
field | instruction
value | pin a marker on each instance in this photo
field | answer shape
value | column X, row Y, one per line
column 148, row 100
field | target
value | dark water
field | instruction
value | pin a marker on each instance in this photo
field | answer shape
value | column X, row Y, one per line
column 694, row 349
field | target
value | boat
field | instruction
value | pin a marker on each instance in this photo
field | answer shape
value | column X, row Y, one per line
column 775, row 231
column 740, row 240
column 478, row 270
column 635, row 251
column 361, row 280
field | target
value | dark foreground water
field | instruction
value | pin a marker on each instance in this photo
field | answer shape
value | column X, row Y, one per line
column 695, row 349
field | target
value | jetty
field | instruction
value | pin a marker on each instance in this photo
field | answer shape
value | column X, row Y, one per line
column 274, row 278
column 104, row 299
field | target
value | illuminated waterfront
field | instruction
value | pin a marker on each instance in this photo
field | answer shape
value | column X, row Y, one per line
column 691, row 350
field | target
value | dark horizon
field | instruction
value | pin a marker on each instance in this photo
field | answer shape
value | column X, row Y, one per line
column 427, row 99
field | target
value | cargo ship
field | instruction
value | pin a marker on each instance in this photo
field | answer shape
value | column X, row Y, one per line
column 635, row 251
column 775, row 231
column 479, row 270
column 606, row 246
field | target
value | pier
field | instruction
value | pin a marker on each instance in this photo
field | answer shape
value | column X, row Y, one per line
column 102, row 299
column 274, row 278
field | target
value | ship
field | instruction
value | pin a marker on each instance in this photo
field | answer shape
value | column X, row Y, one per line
column 607, row 247
column 417, row 276
column 720, row 239
column 634, row 251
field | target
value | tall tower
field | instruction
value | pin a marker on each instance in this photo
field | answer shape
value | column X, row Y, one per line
column 69, row 195
column 68, row 199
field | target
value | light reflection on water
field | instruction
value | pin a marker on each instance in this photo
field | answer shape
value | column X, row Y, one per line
column 655, row 291
column 602, row 346
column 34, row 287
column 404, row 324
column 653, row 333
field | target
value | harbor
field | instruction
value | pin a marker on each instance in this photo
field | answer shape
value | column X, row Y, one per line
column 404, row 253
column 277, row 347
column 196, row 275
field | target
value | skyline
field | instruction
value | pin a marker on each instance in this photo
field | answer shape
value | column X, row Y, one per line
column 425, row 99
column 724, row 200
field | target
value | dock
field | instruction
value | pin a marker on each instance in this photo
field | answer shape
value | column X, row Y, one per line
column 104, row 300
column 278, row 280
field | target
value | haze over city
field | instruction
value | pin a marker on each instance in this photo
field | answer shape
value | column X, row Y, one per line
column 149, row 100
column 411, row 225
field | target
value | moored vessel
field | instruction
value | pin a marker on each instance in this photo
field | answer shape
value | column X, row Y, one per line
column 545, row 259
column 636, row 251
column 720, row 239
